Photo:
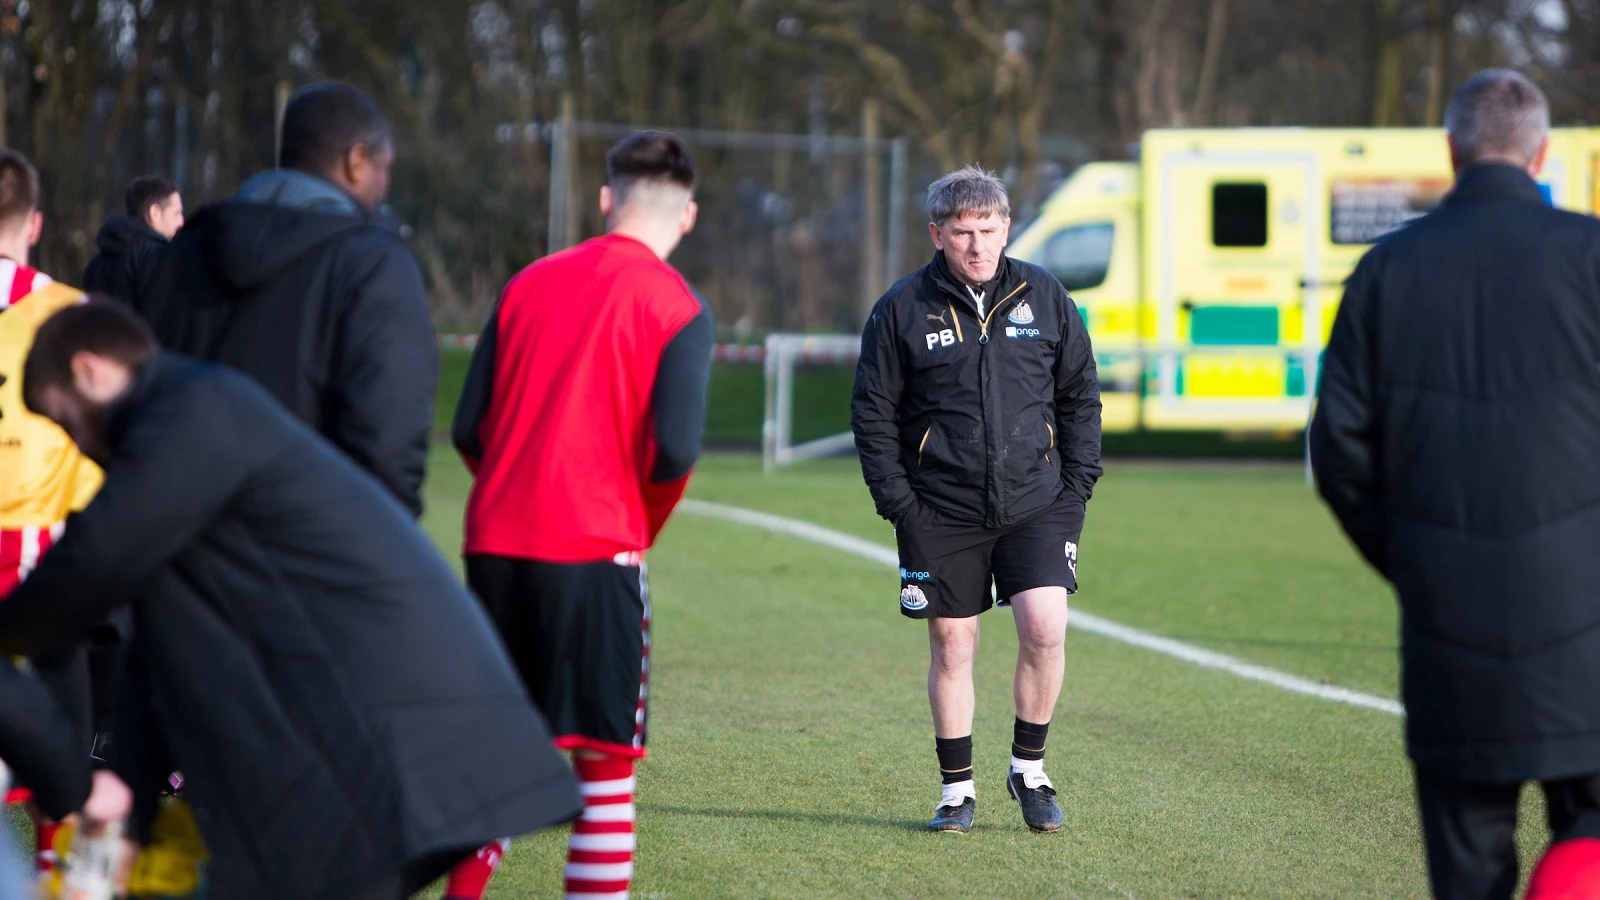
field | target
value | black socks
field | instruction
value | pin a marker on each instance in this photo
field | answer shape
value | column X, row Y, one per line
column 1027, row 740
column 955, row 758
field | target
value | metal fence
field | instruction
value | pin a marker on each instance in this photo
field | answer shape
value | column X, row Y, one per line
column 797, row 232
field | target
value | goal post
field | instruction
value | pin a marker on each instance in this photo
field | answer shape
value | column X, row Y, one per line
column 785, row 354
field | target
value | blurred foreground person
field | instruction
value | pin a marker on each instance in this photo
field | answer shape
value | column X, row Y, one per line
column 42, row 752
column 43, row 477
column 581, row 420
column 347, row 722
column 303, row 281
column 1457, row 439
column 127, row 243
column 1569, row 870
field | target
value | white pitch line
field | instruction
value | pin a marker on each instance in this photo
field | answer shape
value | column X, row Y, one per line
column 849, row 543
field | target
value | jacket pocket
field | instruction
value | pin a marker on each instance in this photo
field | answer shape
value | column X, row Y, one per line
column 948, row 453
column 1051, row 444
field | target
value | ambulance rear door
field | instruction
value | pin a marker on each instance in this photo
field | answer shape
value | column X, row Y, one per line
column 1235, row 242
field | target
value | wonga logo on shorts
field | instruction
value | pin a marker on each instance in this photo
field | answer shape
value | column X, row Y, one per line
column 908, row 575
column 913, row 598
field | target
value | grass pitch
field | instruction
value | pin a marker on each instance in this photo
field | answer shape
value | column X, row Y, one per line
column 792, row 754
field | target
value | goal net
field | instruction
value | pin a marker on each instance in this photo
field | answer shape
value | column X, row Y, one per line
column 808, row 379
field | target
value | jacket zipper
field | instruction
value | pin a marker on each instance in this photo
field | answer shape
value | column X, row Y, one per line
column 922, row 445
column 983, row 333
column 994, row 486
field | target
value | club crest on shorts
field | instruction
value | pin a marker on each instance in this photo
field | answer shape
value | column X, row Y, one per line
column 912, row 598
column 1072, row 557
column 1022, row 314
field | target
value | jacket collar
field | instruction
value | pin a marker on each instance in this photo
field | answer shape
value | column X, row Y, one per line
column 1004, row 275
column 295, row 189
column 1494, row 181
column 122, row 412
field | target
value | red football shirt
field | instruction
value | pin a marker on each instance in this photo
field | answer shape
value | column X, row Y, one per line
column 567, row 442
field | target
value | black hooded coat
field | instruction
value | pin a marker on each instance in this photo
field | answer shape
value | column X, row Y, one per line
column 318, row 300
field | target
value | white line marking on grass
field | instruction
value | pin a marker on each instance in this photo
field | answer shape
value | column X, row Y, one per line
column 849, row 543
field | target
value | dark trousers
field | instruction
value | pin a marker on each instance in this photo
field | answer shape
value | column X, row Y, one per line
column 417, row 876
column 1470, row 831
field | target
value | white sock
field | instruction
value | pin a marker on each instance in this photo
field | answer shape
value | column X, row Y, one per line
column 1027, row 765
column 955, row 793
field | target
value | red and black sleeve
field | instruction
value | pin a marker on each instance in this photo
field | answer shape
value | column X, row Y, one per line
column 678, row 415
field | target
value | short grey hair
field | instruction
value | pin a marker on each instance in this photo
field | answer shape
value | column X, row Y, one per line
column 969, row 190
column 1497, row 114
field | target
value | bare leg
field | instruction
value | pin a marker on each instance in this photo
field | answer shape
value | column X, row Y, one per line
column 1041, row 615
column 953, row 644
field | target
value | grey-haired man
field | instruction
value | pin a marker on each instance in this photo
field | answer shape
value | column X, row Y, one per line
column 976, row 412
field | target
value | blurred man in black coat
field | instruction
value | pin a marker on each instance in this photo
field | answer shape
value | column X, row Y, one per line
column 344, row 714
column 126, row 244
column 1457, row 439
column 303, row 281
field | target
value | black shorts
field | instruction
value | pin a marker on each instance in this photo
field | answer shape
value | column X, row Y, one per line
column 579, row 634
column 947, row 567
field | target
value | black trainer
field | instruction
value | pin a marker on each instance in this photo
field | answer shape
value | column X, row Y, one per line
column 1037, row 797
column 956, row 819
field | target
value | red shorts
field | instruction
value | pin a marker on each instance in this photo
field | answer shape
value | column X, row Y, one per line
column 20, row 552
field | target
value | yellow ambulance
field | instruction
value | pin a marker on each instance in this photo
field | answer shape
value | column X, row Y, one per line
column 1209, row 271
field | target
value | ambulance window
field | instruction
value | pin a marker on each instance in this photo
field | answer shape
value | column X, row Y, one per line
column 1239, row 214
column 1080, row 255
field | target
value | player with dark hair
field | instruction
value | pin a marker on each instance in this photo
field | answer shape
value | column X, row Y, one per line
column 581, row 419
column 304, row 282
column 43, row 477
column 127, row 243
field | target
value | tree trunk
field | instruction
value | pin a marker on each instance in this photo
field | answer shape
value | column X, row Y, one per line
column 1433, row 107
column 1151, row 44
column 1210, row 63
column 1388, row 89
column 1112, row 49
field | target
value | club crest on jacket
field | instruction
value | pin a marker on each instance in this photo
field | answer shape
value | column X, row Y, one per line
column 1022, row 314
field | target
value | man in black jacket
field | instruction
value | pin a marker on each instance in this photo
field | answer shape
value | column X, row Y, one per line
column 303, row 282
column 1457, row 439
column 128, row 243
column 977, row 416
column 346, row 719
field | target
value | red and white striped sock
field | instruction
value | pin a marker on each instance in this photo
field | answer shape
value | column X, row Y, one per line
column 600, row 855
